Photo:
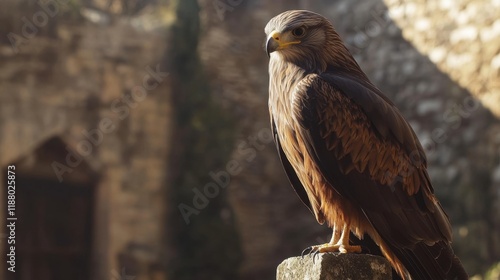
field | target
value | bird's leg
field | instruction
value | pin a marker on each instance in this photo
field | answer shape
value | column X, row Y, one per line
column 336, row 234
column 343, row 243
column 338, row 243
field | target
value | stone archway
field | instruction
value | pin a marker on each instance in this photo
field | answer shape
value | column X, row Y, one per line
column 54, row 218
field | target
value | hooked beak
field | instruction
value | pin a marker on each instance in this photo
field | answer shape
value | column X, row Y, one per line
column 276, row 41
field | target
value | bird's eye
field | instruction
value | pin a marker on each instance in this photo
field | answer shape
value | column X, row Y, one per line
column 299, row 32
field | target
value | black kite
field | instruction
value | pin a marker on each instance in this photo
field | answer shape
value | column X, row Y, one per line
column 349, row 153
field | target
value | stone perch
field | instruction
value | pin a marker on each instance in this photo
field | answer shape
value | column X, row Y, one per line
column 329, row 266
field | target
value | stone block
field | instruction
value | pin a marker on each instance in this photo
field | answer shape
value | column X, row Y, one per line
column 327, row 266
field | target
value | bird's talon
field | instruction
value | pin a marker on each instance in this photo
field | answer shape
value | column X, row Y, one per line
column 315, row 254
column 310, row 248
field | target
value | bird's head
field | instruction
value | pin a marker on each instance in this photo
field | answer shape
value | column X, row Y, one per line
column 304, row 38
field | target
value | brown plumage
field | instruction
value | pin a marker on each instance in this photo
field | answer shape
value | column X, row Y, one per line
column 349, row 154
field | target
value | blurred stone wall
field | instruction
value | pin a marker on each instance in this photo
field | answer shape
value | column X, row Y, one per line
column 63, row 77
column 460, row 37
column 460, row 135
column 69, row 66
column 204, row 235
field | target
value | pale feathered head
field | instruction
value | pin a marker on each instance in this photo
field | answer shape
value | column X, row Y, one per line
column 307, row 39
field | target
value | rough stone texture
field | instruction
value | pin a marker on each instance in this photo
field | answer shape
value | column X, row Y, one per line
column 335, row 266
column 461, row 43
